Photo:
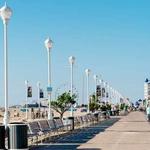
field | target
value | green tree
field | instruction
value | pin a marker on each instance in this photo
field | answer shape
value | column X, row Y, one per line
column 122, row 106
column 93, row 103
column 63, row 103
column 108, row 106
column 103, row 107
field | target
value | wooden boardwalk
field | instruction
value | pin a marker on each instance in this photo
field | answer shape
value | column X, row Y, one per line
column 131, row 132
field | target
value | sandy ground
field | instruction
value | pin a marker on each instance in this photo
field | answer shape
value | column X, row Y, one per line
column 21, row 117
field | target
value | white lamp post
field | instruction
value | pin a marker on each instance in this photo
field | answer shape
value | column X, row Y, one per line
column 103, row 92
column 83, row 90
column 38, row 90
column 110, row 94
column 48, row 45
column 100, row 82
column 95, row 79
column 87, row 72
column 104, row 84
column 107, row 96
column 116, row 96
column 26, row 90
column 5, row 13
column 71, row 61
column 107, row 92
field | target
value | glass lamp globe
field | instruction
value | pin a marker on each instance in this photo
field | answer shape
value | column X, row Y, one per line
column 48, row 43
column 87, row 71
column 95, row 77
column 71, row 59
column 5, row 13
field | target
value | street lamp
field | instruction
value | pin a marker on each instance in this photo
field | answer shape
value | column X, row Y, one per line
column 116, row 96
column 101, row 88
column 95, row 79
column 5, row 13
column 110, row 94
column 107, row 92
column 107, row 95
column 48, row 44
column 71, row 61
column 104, row 85
column 26, row 87
column 87, row 72
column 38, row 90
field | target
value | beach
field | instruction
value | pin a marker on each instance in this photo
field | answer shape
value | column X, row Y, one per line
column 16, row 115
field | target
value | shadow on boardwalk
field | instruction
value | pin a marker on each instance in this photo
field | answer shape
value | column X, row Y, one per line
column 75, row 139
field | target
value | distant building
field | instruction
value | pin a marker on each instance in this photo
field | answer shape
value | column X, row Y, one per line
column 35, row 103
column 147, row 89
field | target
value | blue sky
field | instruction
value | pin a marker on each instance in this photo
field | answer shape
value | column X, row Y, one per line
column 111, row 37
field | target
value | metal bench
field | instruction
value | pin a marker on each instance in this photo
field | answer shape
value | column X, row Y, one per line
column 60, row 125
column 90, row 119
column 76, row 122
column 52, row 126
column 45, row 128
column 34, row 131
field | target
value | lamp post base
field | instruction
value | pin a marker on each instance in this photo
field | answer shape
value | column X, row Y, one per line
column 5, row 119
column 50, row 116
column 71, row 111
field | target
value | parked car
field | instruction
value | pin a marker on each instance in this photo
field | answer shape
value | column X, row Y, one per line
column 74, row 109
column 84, row 110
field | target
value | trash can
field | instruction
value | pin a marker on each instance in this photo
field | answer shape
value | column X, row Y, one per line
column 17, row 136
column 71, row 122
column 2, row 137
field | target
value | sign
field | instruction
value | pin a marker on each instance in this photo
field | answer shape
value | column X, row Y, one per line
column 49, row 90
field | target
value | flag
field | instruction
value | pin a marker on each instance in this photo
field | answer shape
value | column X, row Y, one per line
column 29, row 94
column 103, row 92
column 41, row 93
column 107, row 95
